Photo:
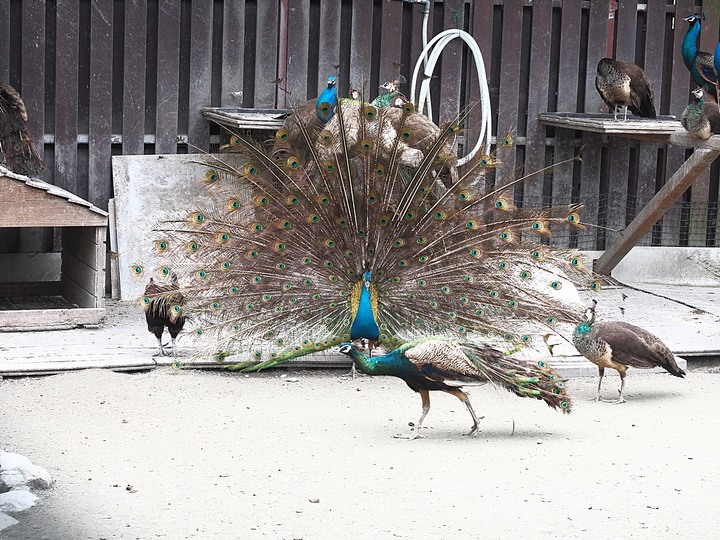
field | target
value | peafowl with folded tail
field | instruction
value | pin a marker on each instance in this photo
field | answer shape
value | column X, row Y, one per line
column 364, row 227
column 699, row 63
column 441, row 364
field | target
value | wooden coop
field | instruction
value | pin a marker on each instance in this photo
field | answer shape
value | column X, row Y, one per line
column 52, row 289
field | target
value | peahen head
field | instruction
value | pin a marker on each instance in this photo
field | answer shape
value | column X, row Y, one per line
column 698, row 94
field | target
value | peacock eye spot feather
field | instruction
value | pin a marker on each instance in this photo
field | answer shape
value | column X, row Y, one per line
column 252, row 254
column 538, row 254
column 507, row 141
column 508, row 337
column 475, row 252
column 408, row 108
column 137, row 270
column 395, row 280
column 468, row 279
column 333, row 279
column 198, row 217
column 464, row 299
column 525, row 274
column 494, row 294
column 222, row 238
column 379, row 170
column 574, row 218
column 595, row 286
column 193, row 246
column 234, row 290
column 326, row 136
column 513, row 304
column 267, row 297
column 409, row 216
column 257, row 279
column 398, row 243
column 329, row 167
column 308, row 282
column 201, row 274
column 370, row 112
column 349, row 254
column 215, row 305
column 257, row 227
column 471, row 224
column 330, row 243
column 422, row 282
column 280, row 266
column 406, row 134
column 503, row 265
column 577, row 262
column 433, row 304
column 306, row 260
column 287, row 286
column 199, row 332
column 423, row 258
column 235, row 140
column 542, row 364
column 279, row 246
column 257, row 354
column 146, row 300
column 225, row 265
column 282, row 134
column 366, row 145
column 526, row 339
column 557, row 285
column 421, row 240
column 165, row 271
column 440, row 215
column 292, row 200
column 292, row 300
column 314, row 218
column 402, row 263
column 162, row 246
column 251, row 170
column 565, row 405
column 550, row 320
column 479, row 312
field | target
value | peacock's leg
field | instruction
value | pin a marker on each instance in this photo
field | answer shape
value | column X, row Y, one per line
column 615, row 111
column 174, row 347
column 415, row 433
column 161, row 351
column 462, row 396
column 625, row 116
column 601, row 371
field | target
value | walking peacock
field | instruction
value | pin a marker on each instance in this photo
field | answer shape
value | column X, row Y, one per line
column 21, row 156
column 163, row 305
column 699, row 63
column 620, row 345
column 438, row 363
column 364, row 228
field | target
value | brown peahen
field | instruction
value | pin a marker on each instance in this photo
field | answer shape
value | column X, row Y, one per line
column 437, row 363
column 620, row 345
column 622, row 84
column 701, row 118
column 21, row 155
column 163, row 306
column 364, row 227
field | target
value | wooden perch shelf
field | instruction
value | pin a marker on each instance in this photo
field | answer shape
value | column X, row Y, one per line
column 236, row 118
column 664, row 130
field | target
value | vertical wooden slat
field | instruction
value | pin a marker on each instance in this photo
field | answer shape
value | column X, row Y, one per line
column 538, row 88
column 101, row 61
column 590, row 188
column 626, row 21
column 361, row 48
column 66, row 96
column 266, row 54
column 297, row 57
column 329, row 57
column 509, row 85
column 5, row 40
column 597, row 40
column 568, row 74
column 390, row 42
column 451, row 71
column 233, row 54
column 200, row 73
column 133, row 130
column 33, row 80
column 679, row 93
column 166, row 113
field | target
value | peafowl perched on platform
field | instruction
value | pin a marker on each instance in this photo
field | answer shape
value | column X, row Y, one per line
column 701, row 118
column 620, row 345
column 163, row 305
column 437, row 363
column 699, row 63
column 364, row 228
column 390, row 96
column 21, row 155
column 622, row 84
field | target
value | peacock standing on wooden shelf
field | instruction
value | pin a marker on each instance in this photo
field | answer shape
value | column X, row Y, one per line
column 620, row 346
column 21, row 155
column 701, row 118
column 356, row 229
column 438, row 363
column 623, row 84
column 699, row 63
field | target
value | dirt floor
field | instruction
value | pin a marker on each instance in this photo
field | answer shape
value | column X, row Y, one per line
column 199, row 454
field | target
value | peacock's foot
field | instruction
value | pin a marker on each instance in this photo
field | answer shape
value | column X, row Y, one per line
column 413, row 435
column 473, row 432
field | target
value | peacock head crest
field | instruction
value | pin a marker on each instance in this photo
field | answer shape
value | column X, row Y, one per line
column 346, row 348
column 690, row 19
column 590, row 314
column 331, row 81
column 367, row 276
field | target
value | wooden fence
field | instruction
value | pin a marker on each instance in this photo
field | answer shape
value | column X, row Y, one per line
column 107, row 77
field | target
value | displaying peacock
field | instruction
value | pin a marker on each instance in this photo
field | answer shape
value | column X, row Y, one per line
column 363, row 227
column 21, row 155
column 620, row 345
column 701, row 118
column 438, row 363
column 699, row 63
column 623, row 84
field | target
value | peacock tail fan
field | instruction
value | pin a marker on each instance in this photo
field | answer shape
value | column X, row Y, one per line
column 524, row 378
column 274, row 269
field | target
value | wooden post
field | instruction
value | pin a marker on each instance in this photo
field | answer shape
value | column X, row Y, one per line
column 658, row 205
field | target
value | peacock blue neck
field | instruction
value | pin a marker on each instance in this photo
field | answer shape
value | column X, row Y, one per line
column 392, row 363
column 364, row 325
column 716, row 58
column 583, row 328
column 689, row 46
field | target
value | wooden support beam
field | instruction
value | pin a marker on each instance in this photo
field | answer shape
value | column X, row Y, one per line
column 658, row 205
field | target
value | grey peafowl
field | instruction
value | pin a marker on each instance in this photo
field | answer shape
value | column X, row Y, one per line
column 163, row 305
column 701, row 118
column 620, row 345
column 355, row 229
column 21, row 155
column 622, row 84
column 437, row 363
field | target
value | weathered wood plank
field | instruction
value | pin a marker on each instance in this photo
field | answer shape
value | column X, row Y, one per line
column 589, row 195
column 390, row 43
column 328, row 60
column 451, row 74
column 233, row 54
column 200, row 73
column 166, row 109
column 482, row 31
column 604, row 123
column 81, row 243
column 30, row 288
column 5, row 40
column 34, row 85
column 78, row 281
column 361, row 49
column 658, row 206
column 100, row 126
column 298, row 53
column 66, row 98
column 597, row 42
column 50, row 318
column 538, row 88
column 266, row 54
column 133, row 117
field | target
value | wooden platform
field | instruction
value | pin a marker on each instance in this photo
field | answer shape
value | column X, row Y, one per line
column 237, row 118
column 635, row 127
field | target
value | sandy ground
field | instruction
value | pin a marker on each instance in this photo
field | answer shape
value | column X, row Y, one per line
column 215, row 455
